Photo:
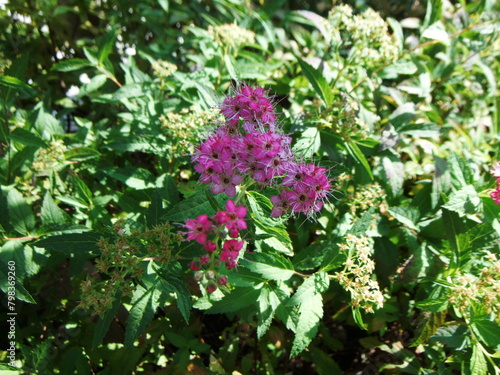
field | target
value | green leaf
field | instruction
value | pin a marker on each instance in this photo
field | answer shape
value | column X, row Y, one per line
column 310, row 314
column 21, row 216
column 309, row 142
column 317, row 254
column 487, row 331
column 21, row 293
column 82, row 191
column 464, row 201
column 193, row 207
column 455, row 337
column 358, row 318
column 51, row 214
column 358, row 156
column 71, row 65
column 433, row 304
column 318, row 82
column 13, row 82
column 106, row 44
column 429, row 323
column 155, row 210
column 137, row 178
column 145, row 302
column 317, row 283
column 268, row 302
column 270, row 266
column 71, row 242
column 81, row 153
column 104, row 321
column 478, row 365
column 407, row 216
column 235, row 301
column 27, row 138
column 433, row 12
column 179, row 288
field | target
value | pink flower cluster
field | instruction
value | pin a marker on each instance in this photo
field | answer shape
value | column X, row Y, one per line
column 249, row 146
column 495, row 194
column 224, row 226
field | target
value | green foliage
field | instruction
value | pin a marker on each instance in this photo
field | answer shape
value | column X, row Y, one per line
column 101, row 106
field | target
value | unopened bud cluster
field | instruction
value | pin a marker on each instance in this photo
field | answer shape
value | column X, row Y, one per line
column 231, row 35
column 364, row 38
column 119, row 263
column 483, row 289
column 249, row 148
column 50, row 158
column 356, row 277
column 183, row 128
column 342, row 118
column 220, row 237
column 365, row 197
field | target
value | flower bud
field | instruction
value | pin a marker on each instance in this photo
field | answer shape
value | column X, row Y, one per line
column 210, row 275
column 211, row 287
column 222, row 280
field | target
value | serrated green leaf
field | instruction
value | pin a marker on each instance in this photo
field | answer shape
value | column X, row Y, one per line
column 51, row 214
column 27, row 138
column 478, row 365
column 487, row 331
column 155, row 209
column 456, row 337
column 137, row 178
column 358, row 317
column 270, row 266
column 235, row 301
column 407, row 216
column 358, row 156
column 71, row 65
column 317, row 254
column 429, row 323
column 13, row 82
column 193, row 207
column 433, row 304
column 317, row 283
column 464, row 201
column 21, row 215
column 311, row 312
column 182, row 293
column 309, row 142
column 318, row 82
column 145, row 302
column 81, row 153
column 71, row 243
column 104, row 321
column 82, row 190
column 21, row 293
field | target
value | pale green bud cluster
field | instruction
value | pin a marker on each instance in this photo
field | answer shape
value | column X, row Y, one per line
column 483, row 289
column 342, row 118
column 50, row 158
column 365, row 35
column 184, row 127
column 163, row 69
column 366, row 196
column 356, row 277
column 231, row 35
column 120, row 262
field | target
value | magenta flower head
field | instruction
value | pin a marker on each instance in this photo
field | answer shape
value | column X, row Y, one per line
column 496, row 169
column 495, row 194
column 198, row 229
column 235, row 216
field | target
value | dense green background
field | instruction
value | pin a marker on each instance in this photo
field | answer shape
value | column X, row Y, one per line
column 101, row 103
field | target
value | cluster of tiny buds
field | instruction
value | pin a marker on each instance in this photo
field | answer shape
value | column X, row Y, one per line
column 183, row 128
column 249, row 148
column 495, row 194
column 366, row 196
column 366, row 36
column 341, row 117
column 484, row 288
column 50, row 158
column 356, row 277
column 223, row 227
column 231, row 35
column 119, row 262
